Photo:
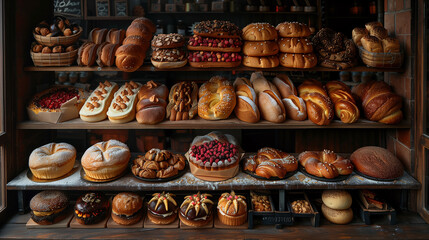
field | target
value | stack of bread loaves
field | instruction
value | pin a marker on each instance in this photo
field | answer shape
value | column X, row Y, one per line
column 336, row 206
column 260, row 48
column 215, row 44
column 295, row 47
column 130, row 56
column 101, row 47
column 168, row 51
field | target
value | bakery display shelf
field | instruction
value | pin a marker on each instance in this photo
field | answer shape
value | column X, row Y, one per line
column 231, row 123
column 190, row 183
column 149, row 67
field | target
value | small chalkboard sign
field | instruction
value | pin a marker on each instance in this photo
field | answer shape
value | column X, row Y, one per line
column 121, row 8
column 103, row 8
column 68, row 7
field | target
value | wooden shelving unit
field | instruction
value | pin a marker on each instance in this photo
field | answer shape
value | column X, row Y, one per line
column 232, row 123
column 149, row 67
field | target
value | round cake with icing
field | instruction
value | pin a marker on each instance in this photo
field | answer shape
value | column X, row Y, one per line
column 196, row 210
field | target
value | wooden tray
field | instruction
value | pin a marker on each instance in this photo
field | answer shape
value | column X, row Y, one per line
column 366, row 213
column 113, row 224
column 314, row 215
column 101, row 224
column 65, row 223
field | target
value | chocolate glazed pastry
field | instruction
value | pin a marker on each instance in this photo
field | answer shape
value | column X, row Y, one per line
column 91, row 208
column 162, row 208
column 217, row 28
column 196, row 210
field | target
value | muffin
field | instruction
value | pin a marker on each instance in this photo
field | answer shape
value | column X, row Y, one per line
column 162, row 208
column 196, row 210
column 232, row 209
column 127, row 208
column 48, row 207
column 91, row 208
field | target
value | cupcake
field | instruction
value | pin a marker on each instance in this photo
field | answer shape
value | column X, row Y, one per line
column 196, row 210
column 162, row 208
column 232, row 209
column 91, row 208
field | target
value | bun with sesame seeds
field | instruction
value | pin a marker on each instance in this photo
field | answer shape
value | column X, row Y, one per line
column 293, row 29
column 295, row 45
column 259, row 32
column 260, row 48
column 298, row 60
column 261, row 62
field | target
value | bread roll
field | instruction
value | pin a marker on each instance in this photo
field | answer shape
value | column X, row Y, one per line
column 147, row 22
column 52, row 160
column 97, row 35
column 242, row 80
column 357, row 34
column 337, row 216
column 106, row 54
column 246, row 109
column 261, row 62
column 137, row 40
column 391, row 45
column 379, row 32
column 296, row 108
column 129, row 57
column 105, row 160
column 139, row 29
column 126, row 208
column 337, row 199
column 271, row 107
column 293, row 29
column 115, row 36
column 284, row 85
column 259, row 32
column 151, row 110
column 369, row 26
column 260, row 48
column 298, row 60
column 87, row 54
column 260, row 83
column 153, row 88
column 295, row 45
column 372, row 44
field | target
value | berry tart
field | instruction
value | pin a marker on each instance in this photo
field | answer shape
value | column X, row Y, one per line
column 162, row 208
column 215, row 44
column 57, row 104
column 196, row 210
column 232, row 209
column 214, row 157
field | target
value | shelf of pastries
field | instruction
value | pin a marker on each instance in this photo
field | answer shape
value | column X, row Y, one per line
column 188, row 181
column 150, row 67
column 199, row 123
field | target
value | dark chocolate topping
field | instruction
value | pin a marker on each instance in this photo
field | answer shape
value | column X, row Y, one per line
column 214, row 26
column 91, row 202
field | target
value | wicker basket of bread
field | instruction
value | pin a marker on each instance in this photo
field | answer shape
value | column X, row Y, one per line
column 59, row 40
column 381, row 60
column 44, row 56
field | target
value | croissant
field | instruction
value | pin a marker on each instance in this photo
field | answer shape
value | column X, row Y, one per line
column 269, row 169
column 345, row 105
column 319, row 107
column 250, row 164
column 168, row 172
column 325, row 164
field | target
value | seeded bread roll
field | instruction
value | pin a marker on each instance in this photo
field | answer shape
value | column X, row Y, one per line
column 357, row 35
column 369, row 26
column 372, row 44
column 293, row 29
column 259, row 32
column 260, row 48
column 391, row 45
column 298, row 60
column 295, row 45
column 379, row 32
column 261, row 62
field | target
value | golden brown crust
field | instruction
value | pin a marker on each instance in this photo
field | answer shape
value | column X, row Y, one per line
column 87, row 54
column 115, row 36
column 97, row 35
column 259, row 32
column 52, row 160
column 391, row 45
column 344, row 103
column 325, row 164
column 357, row 35
column 126, row 203
column 298, row 60
column 296, row 108
column 295, row 45
column 183, row 101
column 217, row 99
column 379, row 32
column 293, row 29
column 137, row 40
column 261, row 62
column 129, row 57
column 284, row 85
column 372, row 44
column 260, row 48
column 106, row 54
column 147, row 22
column 369, row 26
column 271, row 107
column 151, row 110
column 153, row 88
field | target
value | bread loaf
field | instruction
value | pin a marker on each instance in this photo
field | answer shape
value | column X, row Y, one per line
column 372, row 44
column 325, row 164
column 106, row 54
column 284, row 85
column 344, row 103
column 129, row 57
column 217, row 99
column 115, row 36
column 246, row 109
column 298, row 60
column 378, row 32
column 295, row 45
column 357, row 35
column 369, row 26
column 319, row 106
column 259, row 32
column 296, row 108
column 293, row 29
column 52, row 160
column 391, row 45
column 271, row 107
column 260, row 83
column 97, row 35
column 260, row 48
column 261, row 62
column 152, row 103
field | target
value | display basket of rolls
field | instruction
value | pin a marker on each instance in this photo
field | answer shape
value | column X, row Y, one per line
column 53, row 59
column 59, row 40
column 381, row 60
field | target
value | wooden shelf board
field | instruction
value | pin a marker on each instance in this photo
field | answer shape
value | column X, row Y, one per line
column 232, row 123
column 237, row 13
column 149, row 67
column 114, row 18
column 188, row 182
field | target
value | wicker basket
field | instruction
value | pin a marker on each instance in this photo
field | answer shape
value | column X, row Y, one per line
column 54, row 59
column 381, row 60
column 61, row 40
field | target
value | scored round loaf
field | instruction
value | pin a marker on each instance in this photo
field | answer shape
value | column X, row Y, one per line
column 260, row 48
column 377, row 162
column 261, row 62
column 337, row 199
column 52, row 160
column 293, row 29
column 298, row 60
column 105, row 160
column 259, row 32
column 295, row 45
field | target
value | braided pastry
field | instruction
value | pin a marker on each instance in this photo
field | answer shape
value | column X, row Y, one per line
column 183, row 103
column 319, row 107
column 158, row 163
column 325, row 164
column 270, row 162
column 344, row 103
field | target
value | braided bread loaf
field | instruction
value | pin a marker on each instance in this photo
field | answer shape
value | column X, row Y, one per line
column 158, row 163
column 344, row 103
column 319, row 106
column 379, row 103
column 270, row 162
column 325, row 164
column 183, row 103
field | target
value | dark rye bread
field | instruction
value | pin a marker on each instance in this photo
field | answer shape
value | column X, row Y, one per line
column 48, row 201
column 377, row 162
